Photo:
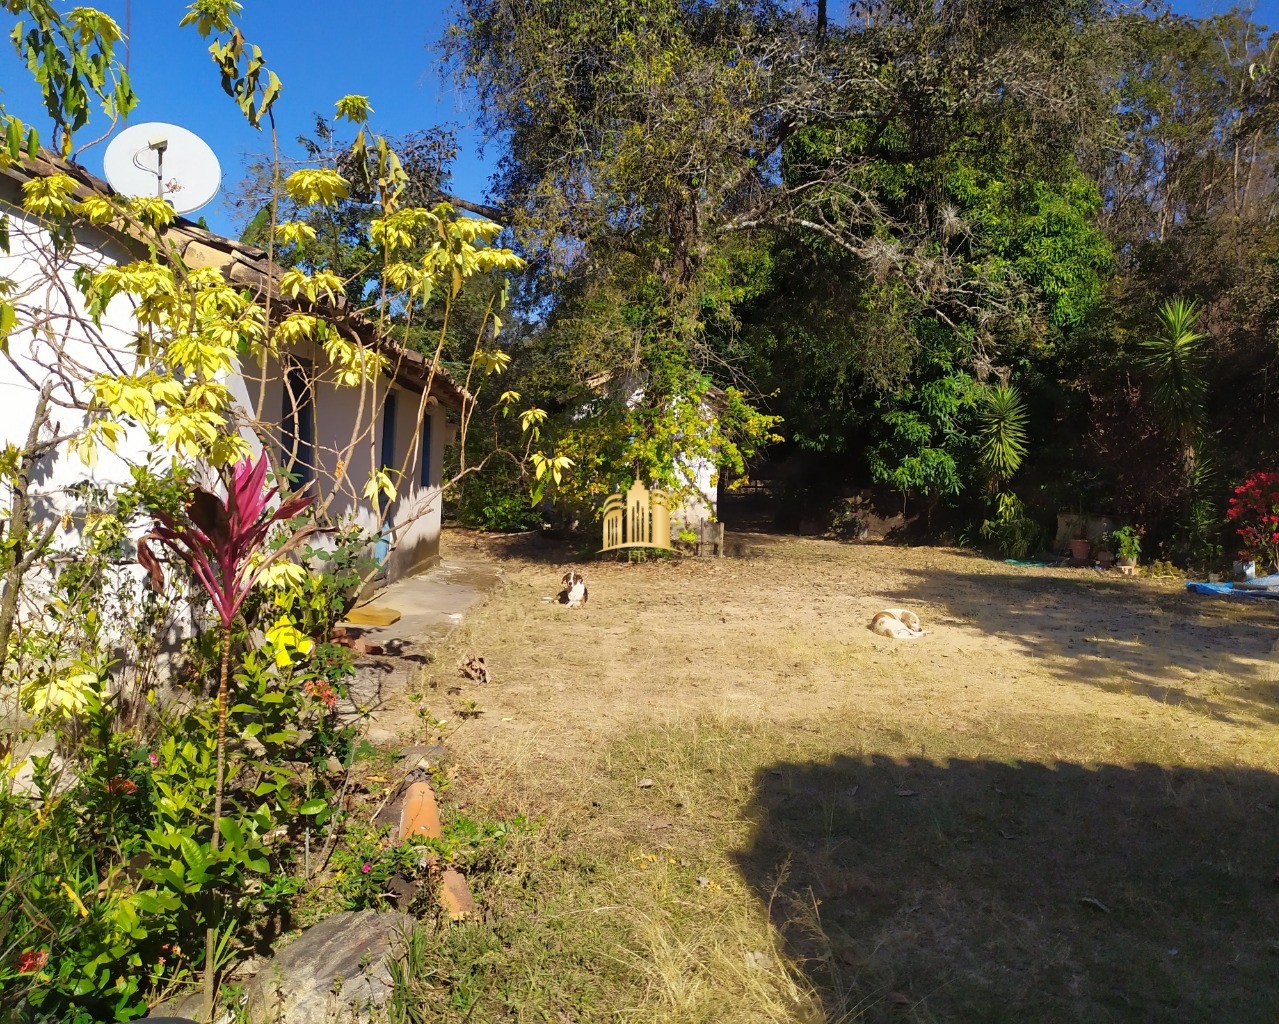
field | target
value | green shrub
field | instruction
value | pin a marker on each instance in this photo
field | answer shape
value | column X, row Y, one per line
column 1127, row 541
column 496, row 499
column 848, row 520
column 1012, row 530
column 109, row 876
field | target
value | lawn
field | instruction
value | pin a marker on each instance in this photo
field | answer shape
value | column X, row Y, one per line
column 1060, row 805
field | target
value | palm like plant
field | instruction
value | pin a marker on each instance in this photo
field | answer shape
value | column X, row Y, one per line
column 222, row 542
column 1001, row 440
column 1174, row 359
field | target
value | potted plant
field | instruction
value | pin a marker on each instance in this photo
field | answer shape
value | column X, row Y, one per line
column 1127, row 543
column 1105, row 556
column 1080, row 546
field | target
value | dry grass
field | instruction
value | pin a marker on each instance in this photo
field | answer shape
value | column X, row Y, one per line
column 1062, row 805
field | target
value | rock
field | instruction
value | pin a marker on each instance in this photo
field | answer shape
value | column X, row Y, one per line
column 380, row 737
column 337, row 970
column 367, row 647
column 189, row 1007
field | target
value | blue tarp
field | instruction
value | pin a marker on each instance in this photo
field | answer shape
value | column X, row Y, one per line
column 1233, row 590
column 1270, row 582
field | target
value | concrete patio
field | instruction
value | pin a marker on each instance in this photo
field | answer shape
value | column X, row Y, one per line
column 430, row 605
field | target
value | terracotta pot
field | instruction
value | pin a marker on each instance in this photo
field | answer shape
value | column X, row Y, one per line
column 1106, row 558
column 1080, row 550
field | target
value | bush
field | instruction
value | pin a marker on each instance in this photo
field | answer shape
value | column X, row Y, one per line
column 848, row 520
column 1254, row 512
column 109, row 875
column 1012, row 530
column 496, row 499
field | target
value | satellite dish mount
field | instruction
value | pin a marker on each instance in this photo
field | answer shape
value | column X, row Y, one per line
column 165, row 161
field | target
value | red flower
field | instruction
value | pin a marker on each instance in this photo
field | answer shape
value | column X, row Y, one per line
column 122, row 785
column 1254, row 510
column 32, row 960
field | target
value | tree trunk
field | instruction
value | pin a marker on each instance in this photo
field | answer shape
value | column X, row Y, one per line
column 22, row 553
column 210, row 933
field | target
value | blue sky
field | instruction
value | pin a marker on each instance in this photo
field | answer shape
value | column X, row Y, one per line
column 321, row 50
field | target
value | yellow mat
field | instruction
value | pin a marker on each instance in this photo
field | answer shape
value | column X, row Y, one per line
column 372, row 615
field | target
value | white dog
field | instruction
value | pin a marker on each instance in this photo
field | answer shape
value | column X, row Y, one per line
column 574, row 592
column 898, row 623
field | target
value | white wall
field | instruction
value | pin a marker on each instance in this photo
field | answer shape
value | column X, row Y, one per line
column 66, row 352
column 701, row 474
column 349, row 424
column 72, row 350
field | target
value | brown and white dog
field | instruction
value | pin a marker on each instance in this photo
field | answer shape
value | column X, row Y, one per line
column 574, row 592
column 898, row 623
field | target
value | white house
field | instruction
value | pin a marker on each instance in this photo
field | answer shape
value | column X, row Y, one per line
column 698, row 475
column 331, row 435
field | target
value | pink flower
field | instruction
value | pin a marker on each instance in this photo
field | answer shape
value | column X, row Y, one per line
column 367, row 867
column 154, row 759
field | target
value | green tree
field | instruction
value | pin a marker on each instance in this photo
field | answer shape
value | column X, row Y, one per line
column 656, row 153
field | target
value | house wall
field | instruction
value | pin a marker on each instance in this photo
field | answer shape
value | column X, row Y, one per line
column 703, row 475
column 67, row 354
column 350, row 425
column 75, row 350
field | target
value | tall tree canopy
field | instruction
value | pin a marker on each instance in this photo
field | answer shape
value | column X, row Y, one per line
column 658, row 156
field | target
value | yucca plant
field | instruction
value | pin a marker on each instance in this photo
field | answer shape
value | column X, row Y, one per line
column 222, row 540
column 1173, row 360
column 1002, row 435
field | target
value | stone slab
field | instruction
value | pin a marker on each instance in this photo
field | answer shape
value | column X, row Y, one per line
column 456, row 896
column 337, row 970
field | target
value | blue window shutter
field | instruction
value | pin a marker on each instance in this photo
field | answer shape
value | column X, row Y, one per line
column 425, row 478
column 297, row 424
column 388, row 431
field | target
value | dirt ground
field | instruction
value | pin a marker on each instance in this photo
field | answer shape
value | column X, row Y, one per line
column 1072, row 663
column 1061, row 804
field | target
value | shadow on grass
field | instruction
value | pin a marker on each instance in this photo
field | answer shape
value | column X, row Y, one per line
column 1120, row 636
column 975, row 891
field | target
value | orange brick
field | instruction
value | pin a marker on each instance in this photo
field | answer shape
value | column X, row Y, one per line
column 420, row 815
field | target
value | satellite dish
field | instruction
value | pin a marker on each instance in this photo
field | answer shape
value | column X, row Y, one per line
column 164, row 160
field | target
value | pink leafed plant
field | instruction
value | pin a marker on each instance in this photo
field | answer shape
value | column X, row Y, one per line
column 222, row 536
column 222, row 540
